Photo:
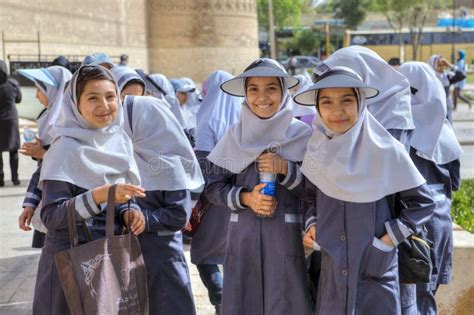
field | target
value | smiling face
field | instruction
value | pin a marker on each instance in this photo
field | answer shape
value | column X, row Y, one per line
column 98, row 103
column 264, row 96
column 338, row 108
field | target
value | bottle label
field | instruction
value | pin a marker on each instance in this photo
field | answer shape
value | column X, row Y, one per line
column 270, row 189
column 29, row 135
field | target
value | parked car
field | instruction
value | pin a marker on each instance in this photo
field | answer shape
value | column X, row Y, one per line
column 301, row 62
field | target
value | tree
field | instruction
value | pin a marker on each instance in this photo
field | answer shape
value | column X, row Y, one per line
column 285, row 13
column 304, row 42
column 411, row 14
column 352, row 11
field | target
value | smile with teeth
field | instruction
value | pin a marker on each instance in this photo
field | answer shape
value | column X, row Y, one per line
column 264, row 105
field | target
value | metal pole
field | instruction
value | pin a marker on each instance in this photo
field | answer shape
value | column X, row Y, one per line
column 39, row 47
column 3, row 44
column 271, row 30
column 328, row 40
column 453, row 34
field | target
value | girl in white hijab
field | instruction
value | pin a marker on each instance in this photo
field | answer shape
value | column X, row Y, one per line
column 448, row 74
column 169, row 172
column 436, row 152
column 264, row 267
column 391, row 107
column 352, row 163
column 50, row 83
column 89, row 152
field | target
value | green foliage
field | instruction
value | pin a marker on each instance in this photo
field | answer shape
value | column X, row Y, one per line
column 462, row 209
column 285, row 13
column 352, row 11
column 305, row 41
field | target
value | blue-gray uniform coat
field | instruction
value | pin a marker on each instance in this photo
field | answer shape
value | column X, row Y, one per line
column 442, row 180
column 169, row 284
column 359, row 274
column 49, row 297
column 209, row 241
column 264, row 267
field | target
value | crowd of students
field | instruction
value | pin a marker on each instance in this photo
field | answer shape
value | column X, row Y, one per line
column 339, row 146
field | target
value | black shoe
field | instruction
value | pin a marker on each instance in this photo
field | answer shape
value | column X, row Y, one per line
column 2, row 183
column 16, row 182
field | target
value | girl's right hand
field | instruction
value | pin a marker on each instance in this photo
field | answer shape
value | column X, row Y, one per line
column 259, row 203
column 310, row 237
column 24, row 221
column 125, row 192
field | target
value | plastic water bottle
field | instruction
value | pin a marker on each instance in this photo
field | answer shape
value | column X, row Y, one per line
column 269, row 179
column 28, row 134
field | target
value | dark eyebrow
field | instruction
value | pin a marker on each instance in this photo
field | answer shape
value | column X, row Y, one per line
column 345, row 95
column 272, row 83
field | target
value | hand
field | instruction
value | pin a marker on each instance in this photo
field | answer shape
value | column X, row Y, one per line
column 445, row 63
column 272, row 163
column 310, row 237
column 125, row 192
column 24, row 220
column 261, row 204
column 387, row 240
column 188, row 227
column 33, row 149
column 135, row 221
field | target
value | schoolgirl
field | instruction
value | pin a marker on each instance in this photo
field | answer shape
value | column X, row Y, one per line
column 89, row 152
column 264, row 267
column 169, row 171
column 50, row 84
column 352, row 163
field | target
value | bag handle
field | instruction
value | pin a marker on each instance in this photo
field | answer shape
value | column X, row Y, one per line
column 72, row 227
column 71, row 223
column 109, row 220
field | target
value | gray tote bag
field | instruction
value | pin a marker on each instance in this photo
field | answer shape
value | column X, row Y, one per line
column 105, row 276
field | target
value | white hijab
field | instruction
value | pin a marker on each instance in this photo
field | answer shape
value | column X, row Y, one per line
column 165, row 158
column 88, row 157
column 123, row 75
column 392, row 106
column 55, row 80
column 217, row 112
column 442, row 76
column 364, row 164
column 297, row 109
column 433, row 137
column 251, row 136
column 170, row 97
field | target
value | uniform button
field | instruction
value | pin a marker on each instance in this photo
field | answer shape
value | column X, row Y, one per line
column 341, row 203
column 344, row 272
column 343, row 238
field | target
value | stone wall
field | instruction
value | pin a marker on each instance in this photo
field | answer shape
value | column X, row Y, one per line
column 178, row 38
column 199, row 36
